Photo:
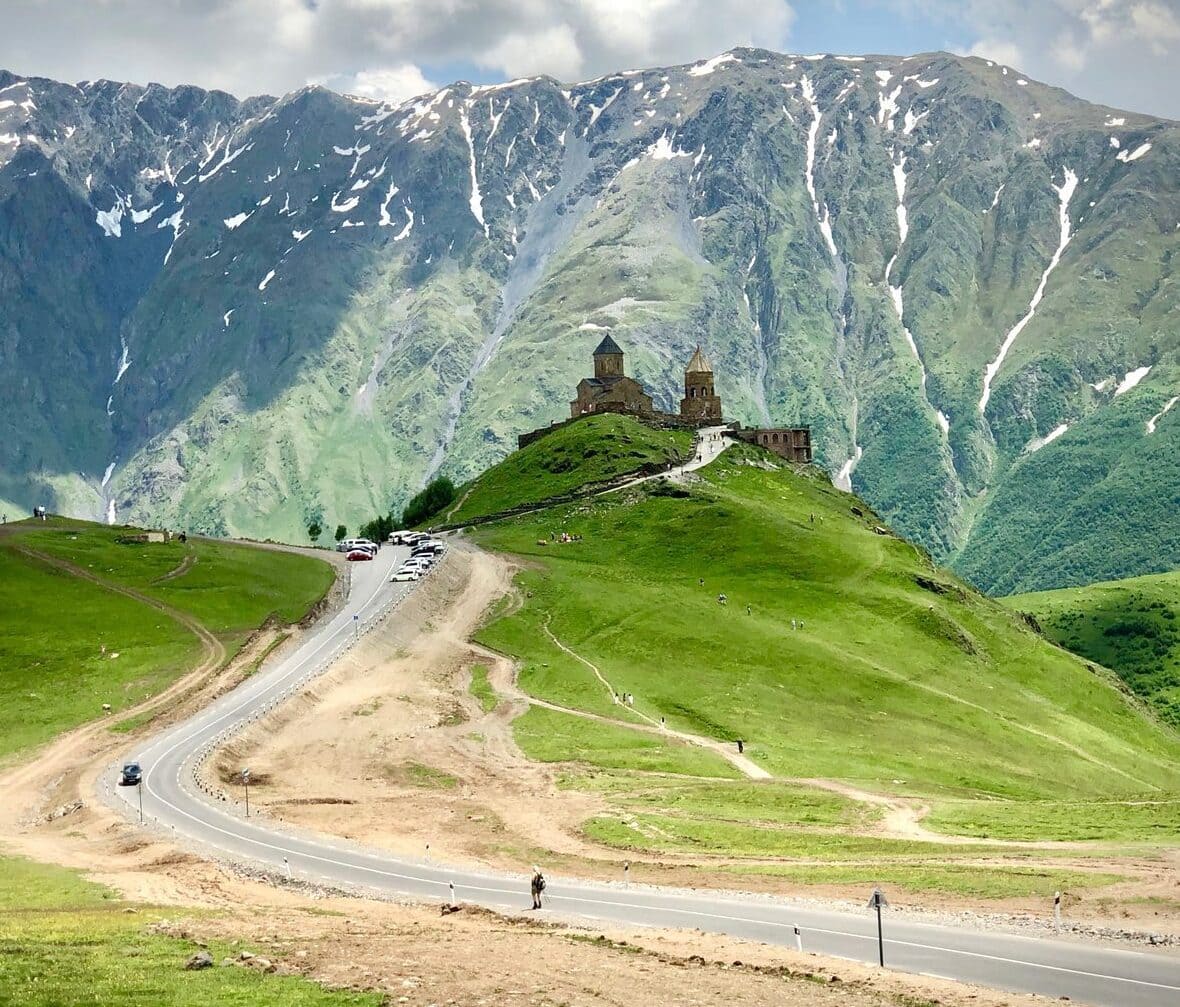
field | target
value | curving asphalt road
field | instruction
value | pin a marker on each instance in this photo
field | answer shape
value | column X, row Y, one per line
column 174, row 801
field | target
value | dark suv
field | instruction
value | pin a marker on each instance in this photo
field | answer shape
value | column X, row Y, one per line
column 131, row 776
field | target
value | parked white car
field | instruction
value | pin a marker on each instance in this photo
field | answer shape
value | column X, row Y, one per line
column 405, row 575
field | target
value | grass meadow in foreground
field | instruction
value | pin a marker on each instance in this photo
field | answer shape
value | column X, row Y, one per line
column 65, row 941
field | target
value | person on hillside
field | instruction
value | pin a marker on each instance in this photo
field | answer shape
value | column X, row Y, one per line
column 721, row 599
column 537, row 886
column 749, row 611
column 741, row 746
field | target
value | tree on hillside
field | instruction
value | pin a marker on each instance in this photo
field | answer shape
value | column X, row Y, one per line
column 437, row 494
column 315, row 530
column 341, row 533
column 378, row 529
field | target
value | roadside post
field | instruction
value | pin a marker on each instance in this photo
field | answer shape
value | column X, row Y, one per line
column 139, row 790
column 626, row 871
column 452, row 887
column 246, row 784
column 356, row 625
column 798, row 940
column 287, row 865
column 1057, row 910
column 878, row 901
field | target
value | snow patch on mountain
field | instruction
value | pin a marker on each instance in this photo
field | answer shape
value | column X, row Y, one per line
column 1039, row 442
column 1132, row 378
column 1064, row 194
column 1128, row 156
column 709, row 65
column 825, row 224
column 1151, row 423
column 476, row 201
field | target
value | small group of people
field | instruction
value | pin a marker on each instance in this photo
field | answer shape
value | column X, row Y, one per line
column 626, row 698
column 565, row 536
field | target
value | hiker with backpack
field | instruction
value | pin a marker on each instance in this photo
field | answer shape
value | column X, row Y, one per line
column 537, row 886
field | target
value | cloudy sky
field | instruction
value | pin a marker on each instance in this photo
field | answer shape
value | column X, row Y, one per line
column 1124, row 53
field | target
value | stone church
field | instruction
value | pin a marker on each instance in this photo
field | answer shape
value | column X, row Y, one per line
column 612, row 391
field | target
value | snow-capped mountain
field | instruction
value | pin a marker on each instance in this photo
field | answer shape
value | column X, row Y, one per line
column 236, row 316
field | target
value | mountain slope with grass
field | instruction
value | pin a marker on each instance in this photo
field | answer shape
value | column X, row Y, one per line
column 282, row 311
column 583, row 454
column 1130, row 626
column 885, row 708
column 88, row 620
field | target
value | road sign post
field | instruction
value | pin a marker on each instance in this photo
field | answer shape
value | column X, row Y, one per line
column 356, row 626
column 878, row 901
column 246, row 784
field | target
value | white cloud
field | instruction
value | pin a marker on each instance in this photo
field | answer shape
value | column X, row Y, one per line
column 392, row 84
column 274, row 46
column 997, row 50
column 553, row 50
column 1124, row 53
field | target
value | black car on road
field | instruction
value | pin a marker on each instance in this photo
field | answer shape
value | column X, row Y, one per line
column 131, row 776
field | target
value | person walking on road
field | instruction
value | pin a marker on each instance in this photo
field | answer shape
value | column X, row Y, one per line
column 537, row 885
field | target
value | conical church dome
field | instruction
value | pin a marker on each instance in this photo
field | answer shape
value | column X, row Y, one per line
column 698, row 364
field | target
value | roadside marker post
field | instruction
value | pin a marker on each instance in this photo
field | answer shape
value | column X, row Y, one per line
column 287, row 865
column 356, row 625
column 877, row 901
column 246, row 784
column 798, row 940
column 626, row 871
column 452, row 887
column 1057, row 910
column 139, row 788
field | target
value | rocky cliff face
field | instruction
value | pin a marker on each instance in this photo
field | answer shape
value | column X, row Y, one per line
column 237, row 316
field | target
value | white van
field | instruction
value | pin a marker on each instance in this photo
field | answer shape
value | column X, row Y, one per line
column 348, row 544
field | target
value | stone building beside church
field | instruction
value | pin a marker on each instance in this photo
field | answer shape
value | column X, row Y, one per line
column 610, row 390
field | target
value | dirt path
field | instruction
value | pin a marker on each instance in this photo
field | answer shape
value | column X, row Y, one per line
column 214, row 652
column 183, row 567
column 747, row 767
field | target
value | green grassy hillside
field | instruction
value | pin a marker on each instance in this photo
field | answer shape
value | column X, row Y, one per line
column 66, row 941
column 78, row 628
column 842, row 655
column 592, row 450
column 1130, row 626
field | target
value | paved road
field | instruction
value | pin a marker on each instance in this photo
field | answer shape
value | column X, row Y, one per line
column 174, row 802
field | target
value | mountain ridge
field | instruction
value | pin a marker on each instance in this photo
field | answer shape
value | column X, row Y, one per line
column 312, row 329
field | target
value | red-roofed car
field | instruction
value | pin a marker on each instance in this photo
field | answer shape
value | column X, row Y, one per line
column 359, row 555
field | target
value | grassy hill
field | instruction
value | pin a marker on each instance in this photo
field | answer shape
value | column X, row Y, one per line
column 593, row 450
column 843, row 658
column 87, row 620
column 1130, row 626
column 69, row 941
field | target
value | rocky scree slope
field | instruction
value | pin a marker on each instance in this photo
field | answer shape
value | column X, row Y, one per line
column 240, row 316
